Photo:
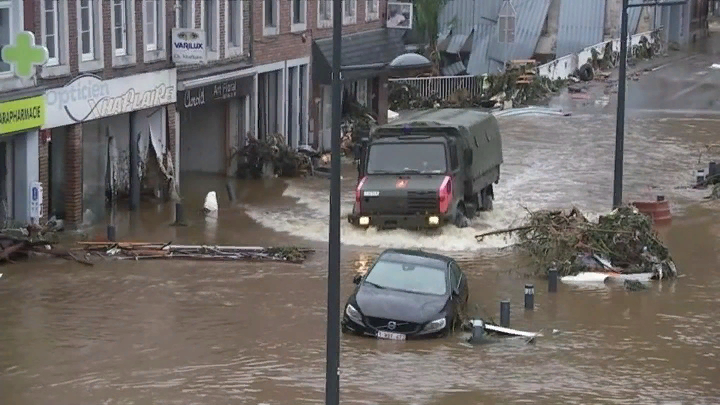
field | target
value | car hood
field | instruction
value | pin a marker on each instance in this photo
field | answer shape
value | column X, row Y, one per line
column 399, row 305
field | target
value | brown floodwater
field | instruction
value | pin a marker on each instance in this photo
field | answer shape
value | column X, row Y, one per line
column 162, row 332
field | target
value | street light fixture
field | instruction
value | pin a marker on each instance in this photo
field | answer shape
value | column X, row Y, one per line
column 405, row 61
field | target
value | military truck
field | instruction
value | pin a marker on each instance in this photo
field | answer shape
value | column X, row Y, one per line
column 428, row 169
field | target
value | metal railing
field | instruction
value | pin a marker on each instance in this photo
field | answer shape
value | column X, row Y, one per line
column 442, row 86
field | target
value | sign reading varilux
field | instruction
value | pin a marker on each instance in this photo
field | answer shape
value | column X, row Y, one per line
column 88, row 97
column 188, row 46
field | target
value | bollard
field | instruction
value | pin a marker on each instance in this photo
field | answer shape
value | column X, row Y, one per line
column 179, row 215
column 111, row 233
column 552, row 280
column 529, row 297
column 505, row 313
column 231, row 191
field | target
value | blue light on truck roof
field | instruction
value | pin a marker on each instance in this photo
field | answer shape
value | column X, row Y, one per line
column 406, row 129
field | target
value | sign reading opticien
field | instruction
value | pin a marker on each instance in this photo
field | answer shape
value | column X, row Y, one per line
column 23, row 114
column 88, row 97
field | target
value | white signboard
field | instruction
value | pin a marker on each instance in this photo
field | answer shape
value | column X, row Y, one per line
column 36, row 199
column 399, row 15
column 188, row 46
column 88, row 97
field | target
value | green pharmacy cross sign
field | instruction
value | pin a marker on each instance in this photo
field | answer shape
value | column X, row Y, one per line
column 24, row 55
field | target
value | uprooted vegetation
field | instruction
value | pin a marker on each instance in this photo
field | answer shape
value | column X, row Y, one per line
column 273, row 152
column 623, row 241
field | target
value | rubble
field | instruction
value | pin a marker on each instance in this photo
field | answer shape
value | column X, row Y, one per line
column 148, row 251
column 20, row 243
column 622, row 242
column 274, row 151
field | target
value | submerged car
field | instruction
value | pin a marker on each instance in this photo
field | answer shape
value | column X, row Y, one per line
column 407, row 294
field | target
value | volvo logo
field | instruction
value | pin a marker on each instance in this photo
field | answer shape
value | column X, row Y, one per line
column 392, row 325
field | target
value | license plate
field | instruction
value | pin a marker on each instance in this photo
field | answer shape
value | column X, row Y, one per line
column 390, row 335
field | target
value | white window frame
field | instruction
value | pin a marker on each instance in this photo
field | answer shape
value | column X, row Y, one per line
column 301, row 26
column 271, row 30
column 151, row 46
column 324, row 23
column 129, row 57
column 190, row 23
column 349, row 19
column 94, row 61
column 43, row 28
column 61, row 65
column 232, row 49
column 369, row 15
column 14, row 28
column 212, row 54
column 159, row 50
column 124, row 25
column 91, row 17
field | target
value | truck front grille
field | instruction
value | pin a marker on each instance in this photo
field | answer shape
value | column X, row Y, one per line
column 422, row 201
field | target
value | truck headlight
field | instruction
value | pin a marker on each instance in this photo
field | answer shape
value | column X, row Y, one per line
column 353, row 314
column 433, row 220
column 435, row 325
column 364, row 221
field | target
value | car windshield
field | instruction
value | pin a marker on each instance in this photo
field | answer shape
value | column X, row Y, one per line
column 407, row 277
column 407, row 158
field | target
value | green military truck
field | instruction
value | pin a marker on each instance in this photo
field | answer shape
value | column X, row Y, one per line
column 428, row 169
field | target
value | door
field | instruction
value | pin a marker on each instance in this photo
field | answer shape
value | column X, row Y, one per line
column 459, row 283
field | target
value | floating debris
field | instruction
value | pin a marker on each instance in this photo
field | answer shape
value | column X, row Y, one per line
column 274, row 153
column 146, row 251
column 622, row 242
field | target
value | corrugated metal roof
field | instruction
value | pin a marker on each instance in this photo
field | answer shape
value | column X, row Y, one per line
column 460, row 43
column 478, row 64
column 463, row 15
column 454, row 69
column 581, row 24
column 529, row 21
column 633, row 19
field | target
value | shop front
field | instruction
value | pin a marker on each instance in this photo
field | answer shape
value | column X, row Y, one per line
column 19, row 175
column 97, row 129
column 214, row 120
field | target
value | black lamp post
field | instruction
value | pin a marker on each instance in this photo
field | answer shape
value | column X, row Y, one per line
column 405, row 61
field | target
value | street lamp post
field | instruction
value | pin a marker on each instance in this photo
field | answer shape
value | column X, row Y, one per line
column 620, row 124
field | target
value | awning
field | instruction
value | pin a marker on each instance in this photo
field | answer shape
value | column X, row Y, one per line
column 364, row 48
column 189, row 77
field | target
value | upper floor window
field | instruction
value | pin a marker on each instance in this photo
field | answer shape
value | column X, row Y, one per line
column 210, row 24
column 325, row 13
column 120, row 31
column 51, row 35
column 270, row 17
column 299, row 15
column 54, row 35
column 372, row 10
column 87, row 31
column 185, row 17
column 151, row 26
column 7, row 29
column 235, row 24
column 349, row 11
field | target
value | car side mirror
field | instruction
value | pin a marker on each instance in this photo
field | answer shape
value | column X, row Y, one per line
column 357, row 279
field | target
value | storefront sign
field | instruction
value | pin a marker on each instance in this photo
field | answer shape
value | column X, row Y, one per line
column 24, row 55
column 36, row 198
column 23, row 114
column 210, row 94
column 188, row 46
column 88, row 97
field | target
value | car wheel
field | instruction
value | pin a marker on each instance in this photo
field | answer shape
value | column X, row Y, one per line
column 486, row 199
column 461, row 220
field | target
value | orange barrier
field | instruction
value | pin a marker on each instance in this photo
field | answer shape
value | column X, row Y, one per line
column 658, row 210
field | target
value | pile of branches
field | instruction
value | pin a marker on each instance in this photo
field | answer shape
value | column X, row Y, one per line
column 20, row 243
column 286, row 162
column 623, row 241
column 357, row 122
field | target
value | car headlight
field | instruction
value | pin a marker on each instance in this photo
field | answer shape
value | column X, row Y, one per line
column 435, row 325
column 353, row 314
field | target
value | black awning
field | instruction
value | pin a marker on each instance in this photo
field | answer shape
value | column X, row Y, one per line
column 364, row 48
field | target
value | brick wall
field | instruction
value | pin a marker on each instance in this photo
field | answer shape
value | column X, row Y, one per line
column 73, row 176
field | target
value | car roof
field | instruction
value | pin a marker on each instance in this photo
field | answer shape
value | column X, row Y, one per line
column 417, row 257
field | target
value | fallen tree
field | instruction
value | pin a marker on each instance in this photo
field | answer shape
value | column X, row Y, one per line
column 273, row 150
column 623, row 241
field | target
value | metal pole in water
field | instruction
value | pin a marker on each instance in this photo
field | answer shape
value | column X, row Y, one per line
column 620, row 125
column 230, row 190
column 552, row 280
column 111, row 233
column 529, row 297
column 179, row 214
column 505, row 313
column 332, row 376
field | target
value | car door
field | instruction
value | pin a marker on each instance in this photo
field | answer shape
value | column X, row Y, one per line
column 461, row 285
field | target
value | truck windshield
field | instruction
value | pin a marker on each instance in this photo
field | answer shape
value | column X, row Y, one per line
column 407, row 158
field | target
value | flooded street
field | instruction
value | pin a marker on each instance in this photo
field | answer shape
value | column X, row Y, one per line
column 189, row 333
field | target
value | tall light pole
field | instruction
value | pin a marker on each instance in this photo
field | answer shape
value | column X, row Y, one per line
column 620, row 124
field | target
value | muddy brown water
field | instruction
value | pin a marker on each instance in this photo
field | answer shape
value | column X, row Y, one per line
column 254, row 333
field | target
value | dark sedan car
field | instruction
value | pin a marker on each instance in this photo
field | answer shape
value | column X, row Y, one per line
column 407, row 294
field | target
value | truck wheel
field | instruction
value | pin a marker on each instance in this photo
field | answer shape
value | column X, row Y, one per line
column 486, row 197
column 461, row 220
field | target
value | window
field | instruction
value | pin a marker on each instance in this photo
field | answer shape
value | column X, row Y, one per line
column 151, row 24
column 372, row 10
column 325, row 12
column 235, row 24
column 299, row 12
column 87, row 32
column 209, row 23
column 410, row 277
column 185, row 13
column 270, row 19
column 119, row 27
column 453, row 156
column 455, row 275
column 349, row 11
column 7, row 29
column 51, row 37
column 397, row 158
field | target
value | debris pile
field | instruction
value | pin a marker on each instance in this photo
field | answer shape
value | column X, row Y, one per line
column 623, row 242
column 20, row 243
column 273, row 151
column 146, row 251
